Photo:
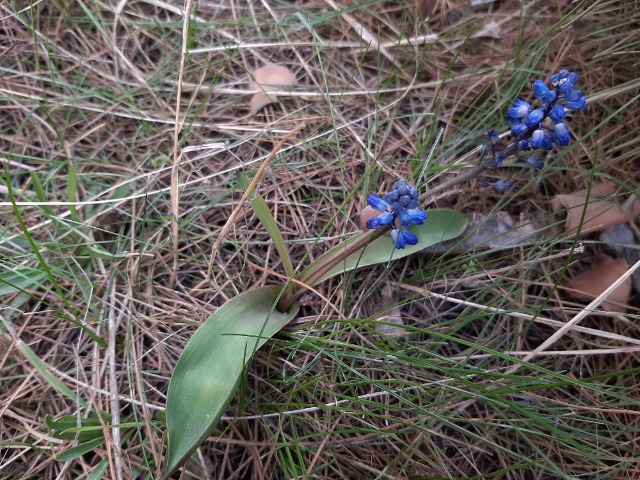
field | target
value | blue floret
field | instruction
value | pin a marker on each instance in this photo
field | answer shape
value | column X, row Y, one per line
column 399, row 204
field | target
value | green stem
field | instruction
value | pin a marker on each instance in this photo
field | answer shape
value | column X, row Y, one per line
column 315, row 271
column 461, row 178
column 474, row 172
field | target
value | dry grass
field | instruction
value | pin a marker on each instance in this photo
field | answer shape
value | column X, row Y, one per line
column 88, row 97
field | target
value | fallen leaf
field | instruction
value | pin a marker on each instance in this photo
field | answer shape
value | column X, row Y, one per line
column 600, row 213
column 588, row 285
column 269, row 77
column 622, row 242
column 366, row 214
column 426, row 8
column 259, row 101
column 491, row 29
column 500, row 230
column 393, row 316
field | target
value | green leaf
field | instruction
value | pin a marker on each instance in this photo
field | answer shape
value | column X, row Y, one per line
column 67, row 428
column 20, row 279
column 43, row 370
column 208, row 373
column 72, row 188
column 270, row 225
column 96, row 250
column 40, row 192
column 98, row 472
column 441, row 225
column 79, row 450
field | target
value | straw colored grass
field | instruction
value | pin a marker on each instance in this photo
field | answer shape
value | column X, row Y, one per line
column 122, row 162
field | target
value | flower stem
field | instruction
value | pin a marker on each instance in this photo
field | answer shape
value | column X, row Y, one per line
column 475, row 172
column 313, row 273
column 461, row 178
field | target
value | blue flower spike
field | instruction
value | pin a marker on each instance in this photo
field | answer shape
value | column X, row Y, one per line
column 561, row 134
column 537, row 127
column 557, row 113
column 537, row 139
column 376, row 202
column 534, row 118
column 535, row 162
column 524, row 145
column 411, row 217
column 542, row 128
column 399, row 204
column 542, row 93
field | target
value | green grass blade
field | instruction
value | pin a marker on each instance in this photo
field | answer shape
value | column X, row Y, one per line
column 18, row 280
column 43, row 370
column 209, row 371
column 43, row 263
column 98, row 472
column 66, row 428
column 441, row 225
column 40, row 192
column 79, row 450
column 270, row 225
column 72, row 188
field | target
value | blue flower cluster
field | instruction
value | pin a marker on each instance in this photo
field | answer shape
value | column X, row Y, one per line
column 539, row 128
column 399, row 204
column 530, row 124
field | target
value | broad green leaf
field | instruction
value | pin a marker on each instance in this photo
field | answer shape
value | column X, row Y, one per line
column 20, row 279
column 209, row 370
column 79, row 450
column 441, row 225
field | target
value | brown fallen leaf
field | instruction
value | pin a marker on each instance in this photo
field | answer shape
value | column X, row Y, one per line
column 621, row 241
column 367, row 213
column 269, row 77
column 600, row 213
column 491, row 29
column 388, row 297
column 588, row 285
column 426, row 8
